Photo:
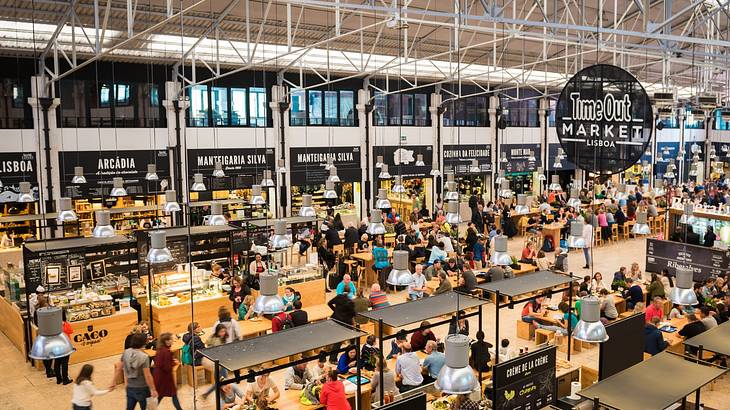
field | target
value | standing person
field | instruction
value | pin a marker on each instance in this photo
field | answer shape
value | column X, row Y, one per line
column 480, row 357
column 343, row 310
column 332, row 396
column 238, row 292
column 135, row 368
column 60, row 365
column 84, row 389
column 224, row 318
column 655, row 288
column 193, row 342
column 163, row 374
column 380, row 262
column 588, row 239
column 710, row 237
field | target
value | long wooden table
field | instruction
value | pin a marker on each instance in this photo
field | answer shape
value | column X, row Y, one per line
column 289, row 400
column 368, row 261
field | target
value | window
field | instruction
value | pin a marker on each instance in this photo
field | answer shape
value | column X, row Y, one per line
column 330, row 108
column 482, row 111
column 199, row 106
column 347, row 108
column 257, row 102
column 670, row 122
column 315, row 107
column 122, row 94
column 238, row 107
column 720, row 123
column 394, row 109
column 105, row 95
column 18, row 96
column 219, row 99
column 407, row 109
column 421, row 110
column 298, row 109
column 380, row 110
column 154, row 96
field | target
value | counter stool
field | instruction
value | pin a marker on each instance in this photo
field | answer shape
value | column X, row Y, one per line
column 614, row 232
column 194, row 378
column 599, row 237
column 543, row 335
column 525, row 330
column 625, row 230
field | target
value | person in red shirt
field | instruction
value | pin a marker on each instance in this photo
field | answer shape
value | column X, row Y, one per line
column 656, row 309
column 421, row 336
column 332, row 396
column 60, row 365
column 277, row 322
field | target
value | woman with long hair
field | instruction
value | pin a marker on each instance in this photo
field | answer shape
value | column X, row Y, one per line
column 84, row 389
column 163, row 370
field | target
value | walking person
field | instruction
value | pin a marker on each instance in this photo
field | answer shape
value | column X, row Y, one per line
column 84, row 389
column 163, row 374
column 135, row 368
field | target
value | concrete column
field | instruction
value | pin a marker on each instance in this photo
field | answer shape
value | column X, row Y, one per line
column 179, row 173
column 437, row 128
column 366, row 149
column 544, row 145
column 493, row 130
column 281, row 150
column 680, row 164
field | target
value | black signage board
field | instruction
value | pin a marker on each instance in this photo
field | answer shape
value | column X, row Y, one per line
column 307, row 164
column 518, row 157
column 457, row 158
column 604, row 119
column 704, row 262
column 401, row 160
column 100, row 167
column 243, row 166
column 415, row 402
column 567, row 165
column 624, row 347
column 16, row 167
column 526, row 382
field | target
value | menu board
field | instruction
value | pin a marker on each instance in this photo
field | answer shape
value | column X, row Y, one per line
column 16, row 167
column 178, row 248
column 526, row 382
column 518, row 157
column 704, row 262
column 243, row 166
column 457, row 158
column 51, row 270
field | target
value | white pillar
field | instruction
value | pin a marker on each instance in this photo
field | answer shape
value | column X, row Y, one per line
column 493, row 130
column 437, row 161
column 366, row 149
column 171, row 91
column 278, row 95
column 544, row 145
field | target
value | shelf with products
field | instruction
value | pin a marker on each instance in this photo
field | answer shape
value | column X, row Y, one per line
column 699, row 221
column 19, row 221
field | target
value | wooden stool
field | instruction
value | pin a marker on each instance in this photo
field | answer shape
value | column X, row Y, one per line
column 562, row 343
column 361, row 279
column 599, row 237
column 195, row 379
column 614, row 232
column 525, row 330
column 625, row 231
column 351, row 265
column 543, row 336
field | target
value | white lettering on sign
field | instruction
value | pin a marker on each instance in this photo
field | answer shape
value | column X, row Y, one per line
column 608, row 109
column 318, row 157
column 7, row 167
column 527, row 366
column 231, row 160
column 466, row 153
column 115, row 163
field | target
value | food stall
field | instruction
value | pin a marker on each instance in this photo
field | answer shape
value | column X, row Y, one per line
column 416, row 177
column 90, row 278
column 699, row 221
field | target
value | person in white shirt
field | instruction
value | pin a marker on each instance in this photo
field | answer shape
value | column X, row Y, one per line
column 418, row 284
column 505, row 352
column 84, row 389
column 448, row 245
column 588, row 239
column 408, row 369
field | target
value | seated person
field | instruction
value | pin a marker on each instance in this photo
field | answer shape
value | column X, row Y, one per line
column 480, row 357
column 395, row 344
column 444, row 284
column 363, row 245
column 333, row 394
column 656, row 309
column 608, row 305
column 418, row 284
column 348, row 363
column 434, row 270
column 633, row 294
column 262, row 388
column 229, row 394
column 437, row 253
column 467, row 280
column 369, row 353
column 533, row 309
column 562, row 328
column 529, row 254
column 654, row 342
column 299, row 317
column 693, row 328
column 420, row 337
column 433, row 363
column 408, row 369
column 297, row 377
column 346, row 287
column 453, row 268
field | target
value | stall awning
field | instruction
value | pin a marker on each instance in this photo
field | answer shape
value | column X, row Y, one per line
column 527, row 283
column 292, row 220
column 715, row 340
column 248, row 353
column 74, row 243
column 414, row 312
column 655, row 383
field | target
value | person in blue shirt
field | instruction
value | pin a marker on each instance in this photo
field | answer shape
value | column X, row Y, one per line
column 437, row 253
column 633, row 294
column 563, row 328
column 348, row 363
column 346, row 287
column 654, row 342
column 380, row 255
column 434, row 362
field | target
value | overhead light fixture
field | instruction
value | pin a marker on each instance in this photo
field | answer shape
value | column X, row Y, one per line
column 503, row 157
column 151, row 173
column 218, row 170
column 522, row 207
column 683, row 291
column 383, row 202
column 695, row 148
column 376, row 227
column 500, row 256
column 474, row 167
column 621, row 194
column 26, row 195
column 198, row 184
column 103, row 228
column 532, row 158
column 695, row 157
column 51, row 342
column 541, row 174
column 555, row 183
column 724, row 148
column 280, row 239
column 659, row 187
column 333, row 174
column 79, row 177
column 281, row 166
column 329, row 190
column 267, row 180
column 452, row 191
column 543, row 207
column 159, row 252
column 645, row 166
column 692, row 170
column 659, row 157
column 256, row 197
column 575, row 239
column 216, row 217
column 590, row 329
column 435, row 172
column 398, row 185
column 268, row 301
column 379, row 161
column 330, row 163
column 384, row 174
column 419, row 160
column 641, row 227
column 687, row 217
column 666, row 151
column 456, row 376
column 171, row 204
column 500, row 178
column 400, row 275
column 713, row 154
column 452, row 213
column 574, row 200
column 680, row 154
column 504, row 190
column 65, row 211
column 557, row 164
column 306, row 209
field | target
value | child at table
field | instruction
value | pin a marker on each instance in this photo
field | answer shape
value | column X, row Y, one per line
column 245, row 311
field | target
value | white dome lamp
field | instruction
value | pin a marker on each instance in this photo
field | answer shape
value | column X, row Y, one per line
column 383, row 202
column 504, row 190
column 103, row 228
column 456, row 376
column 384, row 174
column 51, row 342
column 500, row 256
column 687, row 217
column 256, row 196
column 641, row 227
column 669, row 174
column 267, row 180
column 500, row 178
column 452, row 213
column 379, row 162
column 376, row 227
column 151, row 173
column 26, row 195
column 692, row 170
column 333, row 174
column 522, row 207
column 65, row 211
column 555, row 184
column 503, row 158
column 159, row 253
column 216, row 217
column 659, row 187
column 198, row 184
column 329, row 190
column 452, row 191
column 281, row 166
column 171, row 204
column 532, row 158
column 435, row 172
column 306, row 209
column 575, row 239
column 683, row 291
column 268, row 302
column 218, row 170
column 574, row 200
column 541, row 174
column 330, row 163
column 400, row 275
column 590, row 329
column 398, row 185
column 118, row 188
column 474, row 167
column 419, row 160
column 280, row 239
column 79, row 177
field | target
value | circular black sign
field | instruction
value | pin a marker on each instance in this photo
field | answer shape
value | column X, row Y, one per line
column 604, row 119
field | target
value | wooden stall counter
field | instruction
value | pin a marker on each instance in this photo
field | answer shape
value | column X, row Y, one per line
column 101, row 337
column 312, row 291
column 176, row 318
column 12, row 324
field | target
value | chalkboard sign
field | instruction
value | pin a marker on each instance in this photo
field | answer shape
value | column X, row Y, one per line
column 704, row 262
column 624, row 347
column 307, row 164
column 416, row 402
column 526, row 382
column 37, row 270
column 178, row 248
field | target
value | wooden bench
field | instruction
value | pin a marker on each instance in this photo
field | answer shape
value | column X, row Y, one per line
column 193, row 378
column 543, row 336
column 525, row 330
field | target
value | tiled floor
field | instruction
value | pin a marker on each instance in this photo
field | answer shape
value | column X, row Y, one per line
column 25, row 388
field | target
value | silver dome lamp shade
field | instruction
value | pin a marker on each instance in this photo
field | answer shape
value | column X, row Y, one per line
column 456, row 376
column 280, row 239
column 687, row 217
column 384, row 174
column 103, row 228
column 198, row 184
column 435, row 172
column 693, row 170
column 544, row 207
column 558, row 164
column 329, row 190
column 65, row 211
column 541, row 174
column 151, row 173
column 503, row 157
column 574, row 199
column 452, row 213
column 419, row 160
column 79, row 177
column 159, row 252
column 555, row 183
column 268, row 302
column 500, row 256
column 330, row 163
column 500, row 178
column 50, row 343
column 504, row 190
column 379, row 162
column 398, row 185
column 641, row 227
column 218, row 170
column 532, row 158
column 267, row 181
column 333, row 174
column 575, row 239
column 256, row 197
column 171, row 204
column 474, row 167
column 281, row 166
column 25, row 193
column 621, row 193
column 383, row 202
column 118, row 188
column 522, row 207
column 590, row 329
column 659, row 187
column 683, row 293
column 306, row 209
column 452, row 191
column 400, row 275
column 216, row 217
column 376, row 227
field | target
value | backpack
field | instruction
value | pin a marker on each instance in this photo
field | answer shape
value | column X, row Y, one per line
column 548, row 245
column 187, row 355
column 310, row 394
column 286, row 323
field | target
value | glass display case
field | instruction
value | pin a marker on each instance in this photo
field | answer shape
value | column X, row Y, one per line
column 82, row 305
column 13, row 283
column 178, row 286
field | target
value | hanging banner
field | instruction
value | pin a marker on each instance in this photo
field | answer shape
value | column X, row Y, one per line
column 16, row 167
column 518, row 157
column 307, row 164
column 401, row 160
column 101, row 166
column 457, row 158
column 526, row 382
column 243, row 166
column 703, row 261
column 565, row 164
column 604, row 119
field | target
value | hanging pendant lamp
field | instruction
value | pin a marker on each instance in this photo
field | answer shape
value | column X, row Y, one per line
column 419, row 160
column 452, row 213
column 456, row 376
column 159, row 252
column 79, row 177
column 376, row 227
column 452, row 191
column 400, row 275
column 329, row 190
column 268, row 302
column 641, row 227
column 216, row 217
column 541, row 174
column 218, row 170
column 505, row 191
column 435, row 172
column 683, row 291
column 103, row 228
column 575, row 239
column 500, row 178
column 256, row 197
column 171, row 204
column 65, row 211
column 474, row 167
column 280, row 239
column 384, row 174
column 687, row 217
column 306, row 210
column 532, row 158
column 333, row 174
column 503, row 157
column 590, row 329
column 574, row 199
column 522, row 208
column 555, row 183
column 379, row 161
column 151, row 173
column 198, row 184
column 26, row 195
column 398, row 185
column 281, row 166
column 501, row 256
column 51, row 342
column 267, row 181
column 330, row 163
column 383, row 202
column 118, row 188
